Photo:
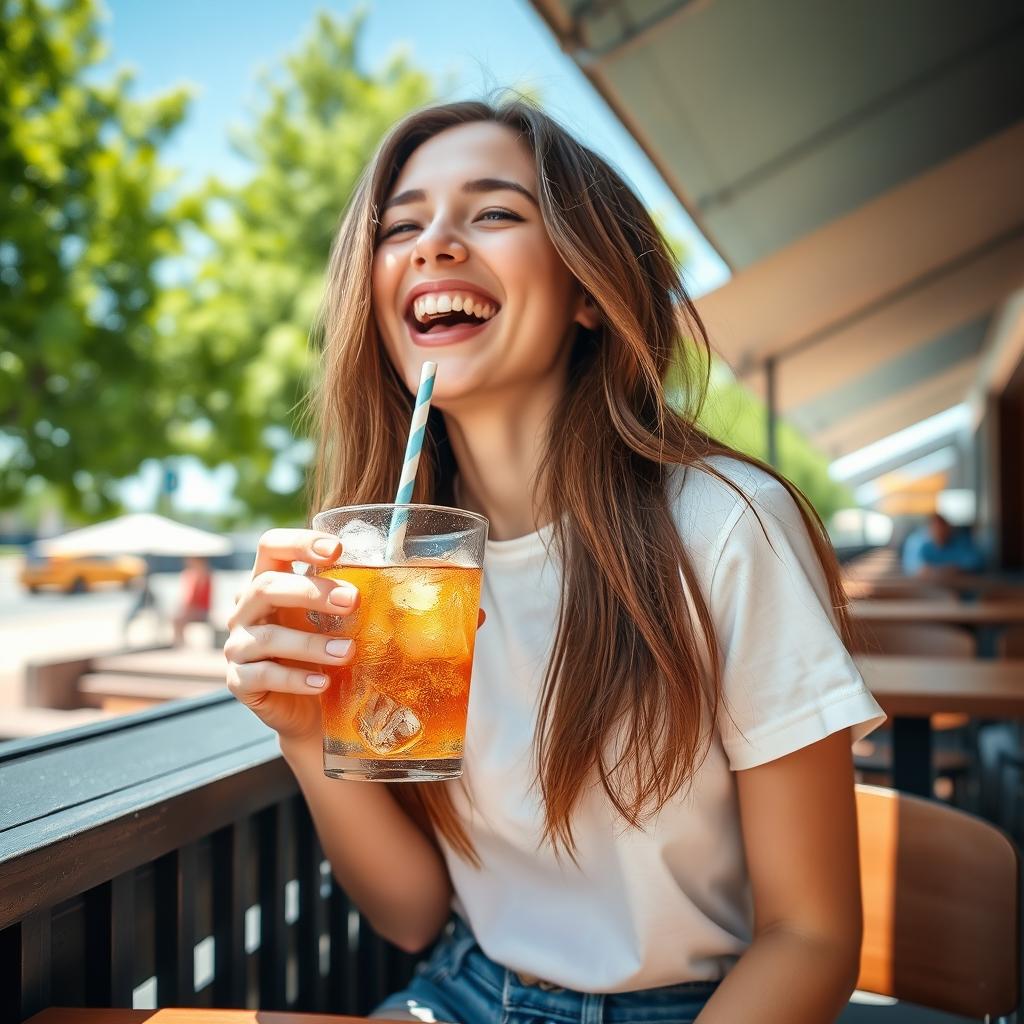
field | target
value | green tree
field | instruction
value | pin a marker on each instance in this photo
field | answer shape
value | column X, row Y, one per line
column 238, row 357
column 85, row 220
column 740, row 419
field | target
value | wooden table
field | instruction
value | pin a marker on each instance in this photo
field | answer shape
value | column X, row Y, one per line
column 910, row 689
column 976, row 613
column 62, row 1015
column 964, row 583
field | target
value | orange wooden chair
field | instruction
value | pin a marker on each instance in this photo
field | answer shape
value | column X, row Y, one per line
column 941, row 897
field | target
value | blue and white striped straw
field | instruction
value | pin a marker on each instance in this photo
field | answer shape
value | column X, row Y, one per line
column 417, row 430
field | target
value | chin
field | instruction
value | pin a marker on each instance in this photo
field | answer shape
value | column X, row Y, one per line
column 456, row 381
column 459, row 374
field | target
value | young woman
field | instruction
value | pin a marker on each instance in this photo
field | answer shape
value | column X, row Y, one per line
column 656, row 821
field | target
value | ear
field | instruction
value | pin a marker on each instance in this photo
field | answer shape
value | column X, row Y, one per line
column 587, row 312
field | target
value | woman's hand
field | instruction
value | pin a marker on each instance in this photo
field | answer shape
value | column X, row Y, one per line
column 258, row 644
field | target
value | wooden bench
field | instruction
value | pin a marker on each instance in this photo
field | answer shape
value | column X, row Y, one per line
column 20, row 723
column 119, row 693
column 176, row 662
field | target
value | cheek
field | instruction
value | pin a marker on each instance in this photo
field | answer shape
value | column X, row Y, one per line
column 380, row 286
column 548, row 302
column 382, row 305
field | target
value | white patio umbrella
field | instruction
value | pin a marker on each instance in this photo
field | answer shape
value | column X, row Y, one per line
column 142, row 533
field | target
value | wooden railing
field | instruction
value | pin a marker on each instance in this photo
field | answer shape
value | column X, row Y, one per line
column 167, row 859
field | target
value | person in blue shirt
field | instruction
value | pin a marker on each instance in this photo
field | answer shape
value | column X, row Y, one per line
column 938, row 547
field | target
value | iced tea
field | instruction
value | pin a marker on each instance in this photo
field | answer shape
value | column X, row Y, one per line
column 397, row 711
column 407, row 691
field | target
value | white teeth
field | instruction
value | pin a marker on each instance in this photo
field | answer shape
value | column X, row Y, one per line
column 442, row 302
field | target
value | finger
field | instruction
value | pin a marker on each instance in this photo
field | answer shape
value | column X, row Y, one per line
column 481, row 618
column 278, row 548
column 248, row 682
column 272, row 590
column 247, row 644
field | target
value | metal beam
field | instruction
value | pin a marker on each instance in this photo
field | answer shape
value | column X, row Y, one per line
column 772, row 410
column 633, row 35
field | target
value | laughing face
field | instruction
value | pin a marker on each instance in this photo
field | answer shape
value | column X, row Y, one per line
column 464, row 272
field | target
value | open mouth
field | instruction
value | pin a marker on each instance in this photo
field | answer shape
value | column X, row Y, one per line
column 446, row 322
column 464, row 316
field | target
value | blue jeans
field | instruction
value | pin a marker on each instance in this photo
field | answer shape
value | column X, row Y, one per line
column 461, row 984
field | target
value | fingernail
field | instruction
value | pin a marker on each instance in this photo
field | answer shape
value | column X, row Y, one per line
column 325, row 546
column 339, row 648
column 342, row 594
column 316, row 681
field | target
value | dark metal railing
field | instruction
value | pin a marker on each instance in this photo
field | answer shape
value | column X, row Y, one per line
column 165, row 859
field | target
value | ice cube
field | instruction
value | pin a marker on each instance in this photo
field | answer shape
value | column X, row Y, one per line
column 386, row 727
column 362, row 543
column 418, row 594
column 438, row 637
column 325, row 623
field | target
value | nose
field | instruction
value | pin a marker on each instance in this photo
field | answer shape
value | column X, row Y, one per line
column 437, row 244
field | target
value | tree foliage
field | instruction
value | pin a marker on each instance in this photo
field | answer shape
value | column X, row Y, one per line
column 241, row 331
column 84, row 224
column 104, row 363
column 740, row 419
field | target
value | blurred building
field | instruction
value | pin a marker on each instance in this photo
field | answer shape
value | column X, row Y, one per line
column 859, row 168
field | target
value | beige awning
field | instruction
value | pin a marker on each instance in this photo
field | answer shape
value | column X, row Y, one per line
column 926, row 398
column 859, row 166
column 881, row 281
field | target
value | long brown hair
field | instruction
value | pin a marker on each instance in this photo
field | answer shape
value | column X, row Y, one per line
column 627, row 653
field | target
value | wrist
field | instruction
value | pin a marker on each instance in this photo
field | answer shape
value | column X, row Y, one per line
column 300, row 752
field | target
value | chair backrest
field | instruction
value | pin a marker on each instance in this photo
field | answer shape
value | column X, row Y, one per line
column 941, row 899
column 1011, row 642
column 923, row 638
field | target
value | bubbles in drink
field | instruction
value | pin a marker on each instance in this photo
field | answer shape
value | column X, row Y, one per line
column 387, row 727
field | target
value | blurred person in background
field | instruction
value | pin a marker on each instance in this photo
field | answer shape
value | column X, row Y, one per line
column 196, row 596
column 145, row 600
column 938, row 548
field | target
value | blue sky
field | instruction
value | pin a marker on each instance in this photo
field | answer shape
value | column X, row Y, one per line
column 220, row 47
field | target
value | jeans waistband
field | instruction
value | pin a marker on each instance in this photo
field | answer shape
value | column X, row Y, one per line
column 522, row 992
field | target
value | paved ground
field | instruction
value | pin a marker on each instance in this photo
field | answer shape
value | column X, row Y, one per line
column 51, row 624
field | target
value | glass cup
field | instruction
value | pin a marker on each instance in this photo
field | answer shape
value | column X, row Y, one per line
column 397, row 712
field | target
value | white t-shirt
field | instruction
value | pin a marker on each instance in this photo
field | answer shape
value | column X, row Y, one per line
column 671, row 903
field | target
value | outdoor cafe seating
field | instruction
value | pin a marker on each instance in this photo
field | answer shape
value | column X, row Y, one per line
column 229, row 854
column 186, row 873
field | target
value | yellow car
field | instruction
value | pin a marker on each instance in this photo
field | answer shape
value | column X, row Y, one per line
column 77, row 574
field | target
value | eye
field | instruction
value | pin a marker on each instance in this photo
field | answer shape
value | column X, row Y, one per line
column 500, row 213
column 395, row 229
column 503, row 214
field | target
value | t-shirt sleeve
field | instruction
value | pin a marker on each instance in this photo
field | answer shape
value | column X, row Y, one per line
column 788, row 680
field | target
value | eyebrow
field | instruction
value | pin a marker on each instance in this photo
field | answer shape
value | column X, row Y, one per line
column 475, row 187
